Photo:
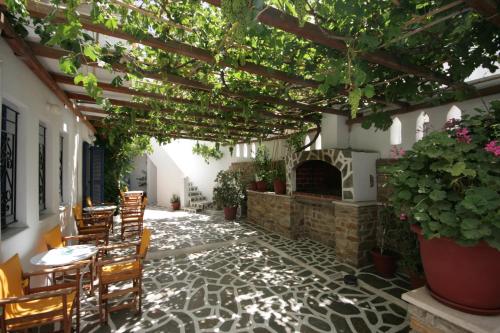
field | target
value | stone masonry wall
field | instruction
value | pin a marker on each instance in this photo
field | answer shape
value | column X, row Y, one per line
column 247, row 170
column 355, row 232
column 349, row 228
column 272, row 212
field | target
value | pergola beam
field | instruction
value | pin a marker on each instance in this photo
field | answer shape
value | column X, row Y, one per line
column 489, row 9
column 125, row 90
column 247, row 129
column 277, row 19
column 143, row 107
column 54, row 53
column 23, row 51
column 40, row 10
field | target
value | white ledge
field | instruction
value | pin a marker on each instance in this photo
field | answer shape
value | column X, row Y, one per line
column 422, row 299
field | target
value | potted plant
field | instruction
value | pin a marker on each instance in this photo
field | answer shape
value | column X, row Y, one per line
column 175, row 202
column 408, row 247
column 252, row 186
column 449, row 187
column 384, row 260
column 229, row 191
column 263, row 168
column 279, row 178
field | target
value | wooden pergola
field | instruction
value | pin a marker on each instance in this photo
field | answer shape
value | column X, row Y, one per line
column 277, row 116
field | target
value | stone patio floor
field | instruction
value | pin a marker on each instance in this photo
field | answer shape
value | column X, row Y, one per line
column 204, row 274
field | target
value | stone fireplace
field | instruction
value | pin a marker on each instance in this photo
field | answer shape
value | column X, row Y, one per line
column 331, row 198
column 318, row 177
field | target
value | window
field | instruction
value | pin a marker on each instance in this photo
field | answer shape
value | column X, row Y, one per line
column 318, row 144
column 307, row 141
column 8, row 165
column 395, row 132
column 237, row 151
column 42, row 138
column 253, row 151
column 61, row 168
column 454, row 113
column 245, row 150
column 423, row 126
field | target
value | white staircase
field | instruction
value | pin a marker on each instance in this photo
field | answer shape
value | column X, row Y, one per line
column 197, row 202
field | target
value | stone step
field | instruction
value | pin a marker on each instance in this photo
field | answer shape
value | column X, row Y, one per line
column 202, row 204
column 197, row 198
column 194, row 194
column 191, row 209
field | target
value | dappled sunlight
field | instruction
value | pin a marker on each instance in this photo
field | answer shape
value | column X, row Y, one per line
column 265, row 281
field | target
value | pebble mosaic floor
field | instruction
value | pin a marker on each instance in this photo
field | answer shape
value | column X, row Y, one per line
column 209, row 275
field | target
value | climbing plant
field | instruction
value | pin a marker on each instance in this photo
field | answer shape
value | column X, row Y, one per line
column 447, row 40
column 208, row 152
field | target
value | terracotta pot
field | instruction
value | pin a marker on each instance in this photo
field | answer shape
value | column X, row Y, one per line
column 462, row 277
column 175, row 205
column 261, row 186
column 385, row 264
column 252, row 186
column 279, row 186
column 230, row 213
column 416, row 280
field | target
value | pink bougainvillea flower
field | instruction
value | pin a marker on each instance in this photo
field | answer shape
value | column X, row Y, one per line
column 403, row 217
column 397, row 152
column 493, row 147
column 463, row 135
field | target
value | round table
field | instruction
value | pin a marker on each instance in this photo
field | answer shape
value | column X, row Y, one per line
column 64, row 255
column 100, row 208
column 134, row 192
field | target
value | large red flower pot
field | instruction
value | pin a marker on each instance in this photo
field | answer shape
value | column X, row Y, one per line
column 385, row 264
column 465, row 278
column 252, row 186
column 261, row 186
column 279, row 186
column 230, row 213
column 176, row 205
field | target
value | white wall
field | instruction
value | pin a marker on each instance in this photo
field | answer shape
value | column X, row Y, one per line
column 379, row 141
column 36, row 104
column 139, row 171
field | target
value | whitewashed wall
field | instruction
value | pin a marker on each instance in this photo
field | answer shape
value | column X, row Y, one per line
column 23, row 91
column 380, row 141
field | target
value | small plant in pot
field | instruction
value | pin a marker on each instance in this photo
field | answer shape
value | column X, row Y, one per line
column 384, row 260
column 263, row 168
column 449, row 187
column 229, row 191
column 279, row 178
column 408, row 247
column 175, row 202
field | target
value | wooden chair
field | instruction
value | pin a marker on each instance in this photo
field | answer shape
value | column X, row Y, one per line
column 91, row 225
column 23, row 307
column 54, row 239
column 122, row 269
column 132, row 218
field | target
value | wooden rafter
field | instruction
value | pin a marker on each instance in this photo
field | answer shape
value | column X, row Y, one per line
column 23, row 51
column 144, row 107
column 125, row 90
column 40, row 10
column 54, row 53
column 275, row 18
column 430, row 104
column 201, row 123
column 489, row 9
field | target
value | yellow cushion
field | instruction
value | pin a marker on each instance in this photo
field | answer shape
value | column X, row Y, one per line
column 78, row 211
column 120, row 267
column 53, row 238
column 38, row 306
column 145, row 239
column 11, row 278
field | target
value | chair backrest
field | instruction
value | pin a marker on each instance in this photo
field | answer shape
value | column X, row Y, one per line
column 145, row 240
column 89, row 201
column 11, row 278
column 78, row 211
column 145, row 201
column 53, row 238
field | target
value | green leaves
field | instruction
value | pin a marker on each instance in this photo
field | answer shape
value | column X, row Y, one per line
column 450, row 189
